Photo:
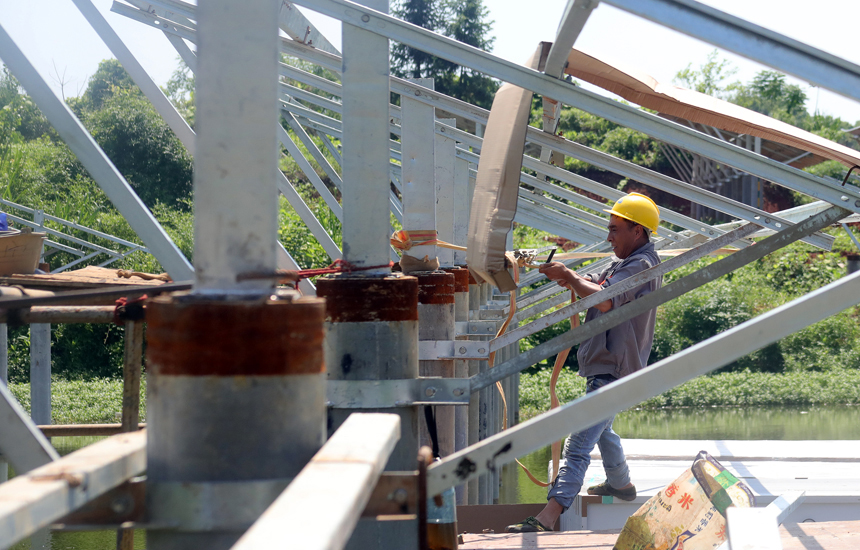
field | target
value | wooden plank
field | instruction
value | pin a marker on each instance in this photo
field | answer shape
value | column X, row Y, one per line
column 37, row 499
column 83, row 430
column 329, row 494
column 88, row 277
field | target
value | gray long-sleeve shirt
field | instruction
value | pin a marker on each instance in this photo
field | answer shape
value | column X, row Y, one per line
column 623, row 349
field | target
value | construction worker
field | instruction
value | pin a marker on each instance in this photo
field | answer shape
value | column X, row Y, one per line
column 621, row 350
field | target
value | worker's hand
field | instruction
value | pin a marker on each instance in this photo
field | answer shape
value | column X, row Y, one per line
column 558, row 272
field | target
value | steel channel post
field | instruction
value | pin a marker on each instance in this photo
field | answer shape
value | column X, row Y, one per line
column 418, row 170
column 365, row 75
column 40, row 373
column 371, row 330
column 444, row 158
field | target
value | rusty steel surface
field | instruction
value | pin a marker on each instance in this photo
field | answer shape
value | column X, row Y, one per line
column 369, row 299
column 235, row 338
column 435, row 287
column 462, row 278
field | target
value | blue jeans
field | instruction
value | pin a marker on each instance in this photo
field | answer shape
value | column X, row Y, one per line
column 577, row 454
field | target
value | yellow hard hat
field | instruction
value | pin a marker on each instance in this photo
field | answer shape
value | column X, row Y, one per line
column 638, row 209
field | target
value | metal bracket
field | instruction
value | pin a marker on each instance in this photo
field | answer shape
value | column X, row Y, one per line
column 395, row 494
column 387, row 394
column 442, row 350
column 476, row 328
column 487, row 314
column 125, row 503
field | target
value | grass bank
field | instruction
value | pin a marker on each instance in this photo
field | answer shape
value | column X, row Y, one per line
column 97, row 401
column 731, row 389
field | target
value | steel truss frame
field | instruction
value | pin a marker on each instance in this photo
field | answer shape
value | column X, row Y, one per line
column 176, row 20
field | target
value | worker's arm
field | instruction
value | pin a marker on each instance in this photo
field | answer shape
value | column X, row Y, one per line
column 568, row 278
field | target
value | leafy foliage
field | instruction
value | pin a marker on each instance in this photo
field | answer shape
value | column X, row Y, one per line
column 462, row 20
column 730, row 389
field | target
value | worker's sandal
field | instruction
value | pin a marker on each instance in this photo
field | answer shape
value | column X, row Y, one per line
column 607, row 490
column 528, row 525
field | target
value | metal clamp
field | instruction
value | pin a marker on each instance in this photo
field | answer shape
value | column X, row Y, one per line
column 476, row 328
column 442, row 350
column 487, row 314
column 387, row 394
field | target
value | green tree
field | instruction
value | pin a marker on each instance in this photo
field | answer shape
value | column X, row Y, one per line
column 709, row 78
column 109, row 76
column 407, row 61
column 180, row 91
column 142, row 147
column 467, row 23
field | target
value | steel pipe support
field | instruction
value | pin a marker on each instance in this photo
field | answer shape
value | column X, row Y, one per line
column 461, row 369
column 371, row 333
column 474, row 401
column 436, row 322
column 236, row 393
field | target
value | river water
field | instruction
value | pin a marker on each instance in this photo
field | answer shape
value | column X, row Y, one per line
column 713, row 423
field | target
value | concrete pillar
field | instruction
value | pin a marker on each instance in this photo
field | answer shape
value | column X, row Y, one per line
column 235, row 409
column 40, row 373
column 372, row 334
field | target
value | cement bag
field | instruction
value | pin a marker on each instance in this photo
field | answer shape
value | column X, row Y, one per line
column 690, row 513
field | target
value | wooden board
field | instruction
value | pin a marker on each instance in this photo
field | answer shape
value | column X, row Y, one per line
column 831, row 535
column 88, row 277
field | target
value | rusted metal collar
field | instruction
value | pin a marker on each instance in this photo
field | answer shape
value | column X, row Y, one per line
column 461, row 278
column 235, row 338
column 364, row 299
column 435, row 287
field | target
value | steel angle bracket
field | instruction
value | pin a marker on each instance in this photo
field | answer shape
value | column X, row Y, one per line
column 388, row 394
column 444, row 350
column 476, row 328
column 487, row 314
column 394, row 497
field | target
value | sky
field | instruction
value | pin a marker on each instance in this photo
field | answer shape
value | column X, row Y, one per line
column 66, row 51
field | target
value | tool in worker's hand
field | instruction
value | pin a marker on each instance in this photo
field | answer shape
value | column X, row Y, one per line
column 551, row 254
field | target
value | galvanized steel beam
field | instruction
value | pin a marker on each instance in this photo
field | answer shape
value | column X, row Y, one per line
column 614, row 111
column 750, row 40
column 21, row 442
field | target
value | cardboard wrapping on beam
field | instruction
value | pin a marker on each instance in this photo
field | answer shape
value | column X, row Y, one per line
column 495, row 200
column 644, row 90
